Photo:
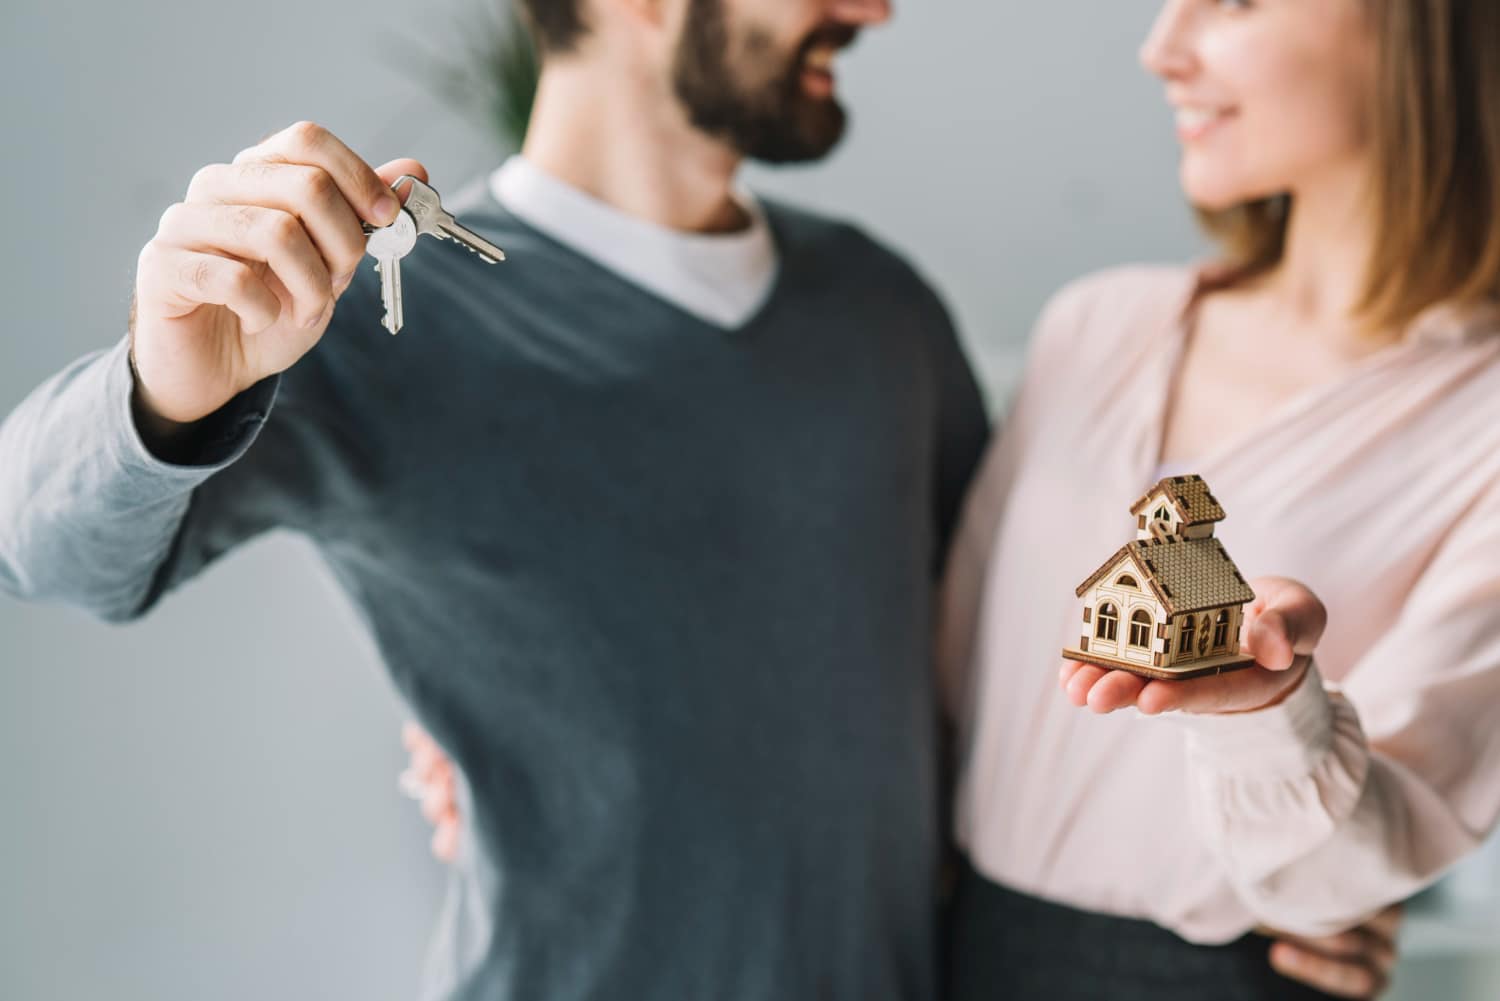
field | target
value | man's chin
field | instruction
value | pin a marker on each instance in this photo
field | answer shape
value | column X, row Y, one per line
column 807, row 130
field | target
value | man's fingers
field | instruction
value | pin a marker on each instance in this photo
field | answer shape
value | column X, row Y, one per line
column 1340, row 977
column 388, row 172
column 310, row 144
column 252, row 233
column 1387, row 923
column 1362, row 945
column 308, row 193
column 188, row 279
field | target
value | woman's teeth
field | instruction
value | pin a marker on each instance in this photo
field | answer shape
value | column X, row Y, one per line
column 1197, row 119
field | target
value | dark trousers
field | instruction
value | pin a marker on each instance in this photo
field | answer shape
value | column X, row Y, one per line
column 1006, row 946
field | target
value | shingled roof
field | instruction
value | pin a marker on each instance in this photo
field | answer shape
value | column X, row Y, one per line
column 1186, row 575
column 1190, row 495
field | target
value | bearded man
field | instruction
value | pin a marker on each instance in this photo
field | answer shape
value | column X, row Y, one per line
column 645, row 522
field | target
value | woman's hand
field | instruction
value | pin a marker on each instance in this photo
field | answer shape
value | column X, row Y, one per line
column 1353, row 964
column 429, row 779
column 1282, row 627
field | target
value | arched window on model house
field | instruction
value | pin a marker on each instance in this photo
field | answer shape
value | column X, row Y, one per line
column 1221, row 629
column 1109, row 623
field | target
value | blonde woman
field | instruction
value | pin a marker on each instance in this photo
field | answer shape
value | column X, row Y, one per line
column 1335, row 377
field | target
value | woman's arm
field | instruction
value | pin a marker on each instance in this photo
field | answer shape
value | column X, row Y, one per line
column 1328, row 805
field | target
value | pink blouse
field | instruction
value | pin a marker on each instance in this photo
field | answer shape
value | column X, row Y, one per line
column 1380, row 490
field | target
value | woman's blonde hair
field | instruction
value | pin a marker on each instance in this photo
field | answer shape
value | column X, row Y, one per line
column 1436, row 188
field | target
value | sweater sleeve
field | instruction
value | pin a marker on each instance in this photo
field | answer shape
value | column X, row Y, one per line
column 89, row 515
column 1332, row 805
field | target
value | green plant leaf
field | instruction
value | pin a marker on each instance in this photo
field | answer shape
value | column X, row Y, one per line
column 489, row 70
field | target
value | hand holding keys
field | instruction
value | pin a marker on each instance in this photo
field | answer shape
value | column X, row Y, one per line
column 242, row 276
column 422, row 214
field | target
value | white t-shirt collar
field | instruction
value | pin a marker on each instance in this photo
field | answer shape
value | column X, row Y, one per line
column 720, row 278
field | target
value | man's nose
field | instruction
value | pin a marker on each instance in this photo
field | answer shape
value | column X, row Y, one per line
column 861, row 11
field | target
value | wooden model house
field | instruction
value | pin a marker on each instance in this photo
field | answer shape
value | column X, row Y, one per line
column 1169, row 604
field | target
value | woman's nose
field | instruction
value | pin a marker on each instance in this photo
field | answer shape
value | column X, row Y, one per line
column 1167, row 50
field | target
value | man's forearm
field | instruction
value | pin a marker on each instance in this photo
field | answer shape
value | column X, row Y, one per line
column 88, row 511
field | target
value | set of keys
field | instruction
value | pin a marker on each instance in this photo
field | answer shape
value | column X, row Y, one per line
column 423, row 213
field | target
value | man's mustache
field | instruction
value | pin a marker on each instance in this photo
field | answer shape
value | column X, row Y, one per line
column 837, row 36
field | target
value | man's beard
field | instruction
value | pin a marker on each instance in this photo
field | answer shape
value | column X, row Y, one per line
column 734, row 89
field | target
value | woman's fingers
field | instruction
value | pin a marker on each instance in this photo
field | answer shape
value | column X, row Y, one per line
column 429, row 778
column 1104, row 690
column 1282, row 628
column 1236, row 692
column 1268, row 639
column 1100, row 689
column 186, row 279
column 1083, row 680
column 430, row 763
column 437, row 799
column 1116, row 690
column 253, row 233
column 445, row 841
column 1285, row 621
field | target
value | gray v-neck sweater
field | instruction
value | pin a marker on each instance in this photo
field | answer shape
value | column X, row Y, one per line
column 664, row 593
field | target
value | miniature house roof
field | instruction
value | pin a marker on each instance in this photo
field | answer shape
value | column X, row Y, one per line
column 1186, row 575
column 1189, row 495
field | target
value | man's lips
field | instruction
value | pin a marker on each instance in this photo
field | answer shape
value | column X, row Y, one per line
column 818, row 55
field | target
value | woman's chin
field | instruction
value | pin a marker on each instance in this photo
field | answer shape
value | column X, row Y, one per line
column 1216, row 194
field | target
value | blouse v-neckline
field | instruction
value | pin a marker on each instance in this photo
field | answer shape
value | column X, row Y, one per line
column 1276, row 418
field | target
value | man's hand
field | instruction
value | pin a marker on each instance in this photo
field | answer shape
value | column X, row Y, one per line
column 1282, row 627
column 429, row 779
column 241, row 277
column 1352, row 964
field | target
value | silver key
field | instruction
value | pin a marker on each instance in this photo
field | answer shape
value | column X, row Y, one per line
column 388, row 245
column 434, row 220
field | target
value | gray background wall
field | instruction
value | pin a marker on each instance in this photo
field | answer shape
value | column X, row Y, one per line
column 204, row 804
